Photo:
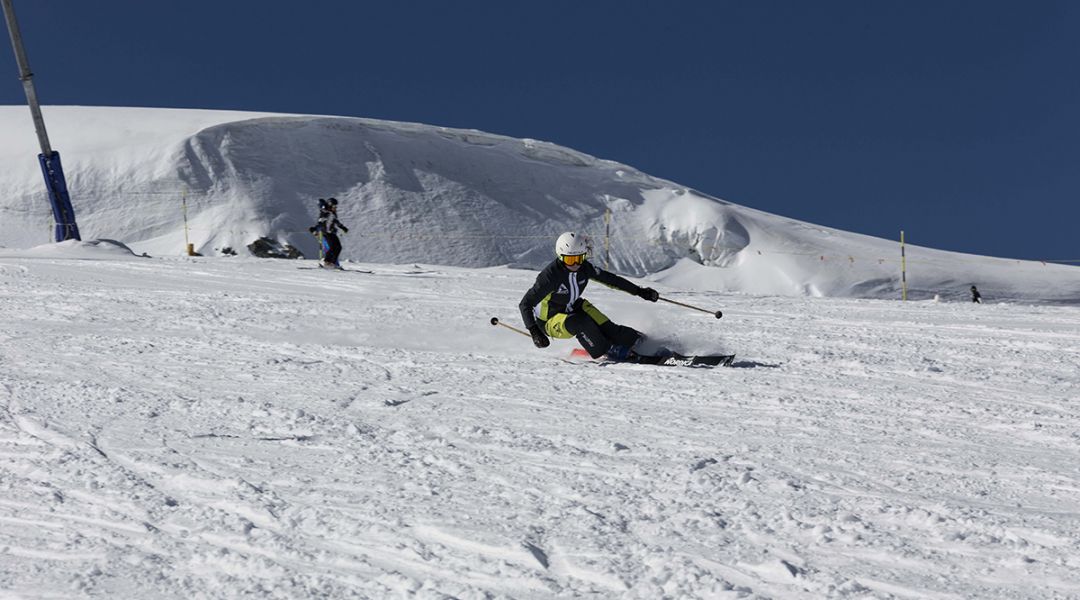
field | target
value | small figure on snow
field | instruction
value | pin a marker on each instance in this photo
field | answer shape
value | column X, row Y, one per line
column 553, row 306
column 976, row 297
column 326, row 230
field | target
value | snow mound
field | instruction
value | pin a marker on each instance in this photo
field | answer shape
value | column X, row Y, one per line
column 413, row 193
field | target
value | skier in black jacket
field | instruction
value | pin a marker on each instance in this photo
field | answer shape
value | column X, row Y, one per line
column 553, row 306
column 328, row 225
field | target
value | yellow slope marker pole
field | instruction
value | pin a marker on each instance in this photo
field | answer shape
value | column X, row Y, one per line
column 607, row 239
column 187, row 242
column 903, row 267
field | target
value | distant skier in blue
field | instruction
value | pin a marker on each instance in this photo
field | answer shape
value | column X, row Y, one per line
column 326, row 230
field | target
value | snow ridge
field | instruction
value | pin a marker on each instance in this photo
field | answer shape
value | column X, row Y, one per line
column 419, row 193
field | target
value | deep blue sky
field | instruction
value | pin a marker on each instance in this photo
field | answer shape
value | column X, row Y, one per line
column 958, row 121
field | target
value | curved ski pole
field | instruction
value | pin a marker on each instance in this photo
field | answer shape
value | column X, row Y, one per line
column 496, row 321
column 716, row 314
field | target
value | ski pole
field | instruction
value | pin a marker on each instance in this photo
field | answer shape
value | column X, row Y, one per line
column 496, row 321
column 716, row 314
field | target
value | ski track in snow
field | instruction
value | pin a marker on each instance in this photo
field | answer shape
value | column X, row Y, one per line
column 221, row 428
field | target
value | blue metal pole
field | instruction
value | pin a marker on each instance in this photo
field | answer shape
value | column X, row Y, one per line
column 63, row 212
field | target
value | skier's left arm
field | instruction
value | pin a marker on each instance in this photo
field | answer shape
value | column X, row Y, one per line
column 342, row 226
column 614, row 281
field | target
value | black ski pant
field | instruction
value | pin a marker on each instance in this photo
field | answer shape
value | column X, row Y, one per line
column 333, row 248
column 597, row 338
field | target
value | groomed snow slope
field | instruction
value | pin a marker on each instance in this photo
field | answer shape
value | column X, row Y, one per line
column 236, row 427
column 418, row 193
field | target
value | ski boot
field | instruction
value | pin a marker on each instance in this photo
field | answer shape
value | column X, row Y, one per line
column 620, row 353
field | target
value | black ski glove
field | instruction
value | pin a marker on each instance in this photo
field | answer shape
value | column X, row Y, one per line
column 649, row 294
column 539, row 339
column 311, row 230
column 343, row 228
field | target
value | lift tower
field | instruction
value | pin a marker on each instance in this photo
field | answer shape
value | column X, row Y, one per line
column 63, row 213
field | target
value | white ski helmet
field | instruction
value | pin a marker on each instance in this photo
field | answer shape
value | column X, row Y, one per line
column 571, row 244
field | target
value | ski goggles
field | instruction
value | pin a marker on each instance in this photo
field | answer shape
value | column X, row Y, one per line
column 571, row 260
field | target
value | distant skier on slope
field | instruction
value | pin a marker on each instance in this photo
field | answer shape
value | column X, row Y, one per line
column 554, row 306
column 976, row 297
column 326, row 229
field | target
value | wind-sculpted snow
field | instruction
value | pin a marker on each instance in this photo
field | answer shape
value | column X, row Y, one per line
column 420, row 193
column 235, row 427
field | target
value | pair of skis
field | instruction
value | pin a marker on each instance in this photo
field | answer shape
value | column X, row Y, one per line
column 673, row 359
column 335, row 269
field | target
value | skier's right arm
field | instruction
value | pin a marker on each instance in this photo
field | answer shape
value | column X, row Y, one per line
column 531, row 298
column 536, row 293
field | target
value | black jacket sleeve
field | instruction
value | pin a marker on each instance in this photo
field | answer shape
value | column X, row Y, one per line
column 612, row 280
column 545, row 284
